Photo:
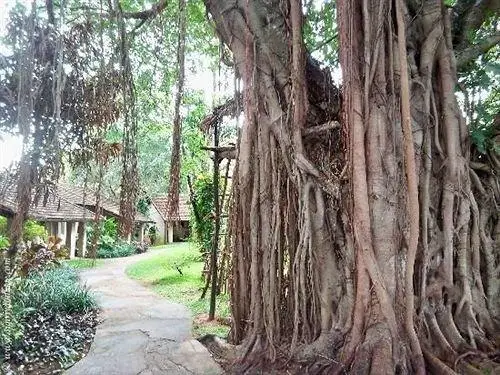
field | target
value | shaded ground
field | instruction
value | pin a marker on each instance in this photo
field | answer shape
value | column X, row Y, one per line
column 141, row 332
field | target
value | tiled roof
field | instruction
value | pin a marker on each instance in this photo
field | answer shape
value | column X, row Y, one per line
column 67, row 203
column 54, row 209
column 87, row 198
column 161, row 204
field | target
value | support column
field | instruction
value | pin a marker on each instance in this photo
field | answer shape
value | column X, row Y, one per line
column 170, row 231
column 141, row 232
column 62, row 231
column 71, row 231
column 53, row 229
column 48, row 227
column 81, row 243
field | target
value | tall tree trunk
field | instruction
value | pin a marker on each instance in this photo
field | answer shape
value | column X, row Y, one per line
column 24, row 120
column 363, row 248
column 175, row 160
column 129, row 183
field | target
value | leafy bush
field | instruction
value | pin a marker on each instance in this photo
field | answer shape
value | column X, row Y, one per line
column 54, row 338
column 50, row 317
column 3, row 226
column 115, row 249
column 37, row 257
column 33, row 230
column 110, row 227
column 4, row 242
column 14, row 329
column 54, row 290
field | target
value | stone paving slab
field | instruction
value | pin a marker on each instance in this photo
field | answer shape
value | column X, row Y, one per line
column 141, row 333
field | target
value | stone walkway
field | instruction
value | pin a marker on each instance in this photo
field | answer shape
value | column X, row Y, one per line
column 141, row 333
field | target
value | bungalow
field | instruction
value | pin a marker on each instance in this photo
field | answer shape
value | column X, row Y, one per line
column 65, row 212
column 170, row 230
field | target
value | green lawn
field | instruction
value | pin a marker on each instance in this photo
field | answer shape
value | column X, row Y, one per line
column 82, row 263
column 162, row 272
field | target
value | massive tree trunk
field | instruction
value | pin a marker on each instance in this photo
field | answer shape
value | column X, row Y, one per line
column 362, row 247
column 175, row 160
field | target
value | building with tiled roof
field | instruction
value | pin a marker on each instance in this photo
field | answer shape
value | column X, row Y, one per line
column 171, row 229
column 65, row 210
column 87, row 198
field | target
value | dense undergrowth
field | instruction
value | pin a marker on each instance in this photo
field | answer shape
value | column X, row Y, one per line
column 110, row 245
column 176, row 274
column 50, row 321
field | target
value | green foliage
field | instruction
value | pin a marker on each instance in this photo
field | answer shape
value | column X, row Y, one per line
column 203, row 226
column 13, row 331
column 51, row 318
column 4, row 242
column 479, row 84
column 3, row 226
column 194, row 160
column 320, row 31
column 143, row 205
column 53, row 290
column 110, row 248
column 108, row 244
column 110, row 227
column 33, row 230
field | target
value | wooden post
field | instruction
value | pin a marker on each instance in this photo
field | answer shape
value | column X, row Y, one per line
column 215, row 243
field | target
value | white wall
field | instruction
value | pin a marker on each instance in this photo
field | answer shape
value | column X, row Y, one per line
column 159, row 223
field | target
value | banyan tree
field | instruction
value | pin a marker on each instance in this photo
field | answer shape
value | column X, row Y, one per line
column 365, row 234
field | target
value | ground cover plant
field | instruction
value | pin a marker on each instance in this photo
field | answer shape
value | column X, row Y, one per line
column 83, row 263
column 52, row 321
column 175, row 273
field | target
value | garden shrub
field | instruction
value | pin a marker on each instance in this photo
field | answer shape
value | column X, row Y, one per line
column 33, row 230
column 4, row 242
column 53, row 290
column 3, row 226
column 12, row 327
column 52, row 318
column 37, row 257
column 115, row 249
column 109, row 245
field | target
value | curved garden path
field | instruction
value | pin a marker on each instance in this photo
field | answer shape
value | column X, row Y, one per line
column 141, row 333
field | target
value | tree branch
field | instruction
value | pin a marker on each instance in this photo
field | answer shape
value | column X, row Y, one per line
column 330, row 125
column 473, row 52
column 149, row 13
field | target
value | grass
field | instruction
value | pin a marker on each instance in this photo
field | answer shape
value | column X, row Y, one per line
column 83, row 263
column 161, row 273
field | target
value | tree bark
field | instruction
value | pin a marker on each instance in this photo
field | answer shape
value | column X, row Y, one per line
column 175, row 161
column 365, row 249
